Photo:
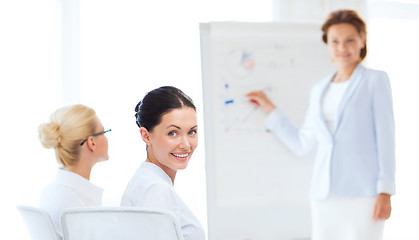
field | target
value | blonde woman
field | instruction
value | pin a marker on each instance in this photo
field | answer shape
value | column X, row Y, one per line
column 77, row 137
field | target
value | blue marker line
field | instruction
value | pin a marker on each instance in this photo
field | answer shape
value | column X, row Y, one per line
column 236, row 100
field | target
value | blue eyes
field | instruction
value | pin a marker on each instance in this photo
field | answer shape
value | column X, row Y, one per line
column 174, row 133
column 192, row 132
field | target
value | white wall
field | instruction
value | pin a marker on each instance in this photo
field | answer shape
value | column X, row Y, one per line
column 313, row 10
column 29, row 92
column 393, row 47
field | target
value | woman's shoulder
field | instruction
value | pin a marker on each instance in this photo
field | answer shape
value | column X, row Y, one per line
column 148, row 189
column 59, row 189
column 376, row 79
column 147, row 177
column 372, row 73
column 59, row 197
column 324, row 81
column 319, row 86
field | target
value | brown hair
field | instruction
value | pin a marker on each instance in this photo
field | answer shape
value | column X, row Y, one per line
column 350, row 17
column 66, row 130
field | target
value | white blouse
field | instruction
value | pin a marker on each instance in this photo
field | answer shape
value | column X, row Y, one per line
column 331, row 102
column 151, row 187
column 69, row 190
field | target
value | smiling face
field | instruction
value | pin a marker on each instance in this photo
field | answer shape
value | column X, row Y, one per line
column 171, row 143
column 345, row 44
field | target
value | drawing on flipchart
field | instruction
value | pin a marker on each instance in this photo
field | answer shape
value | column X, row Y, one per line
column 245, row 70
column 245, row 62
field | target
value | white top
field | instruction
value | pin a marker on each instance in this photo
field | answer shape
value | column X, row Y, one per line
column 69, row 190
column 331, row 102
column 151, row 187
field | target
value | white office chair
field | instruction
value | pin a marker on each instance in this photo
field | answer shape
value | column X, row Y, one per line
column 38, row 223
column 122, row 223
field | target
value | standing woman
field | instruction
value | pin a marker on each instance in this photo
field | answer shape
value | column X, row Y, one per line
column 168, row 125
column 77, row 136
column 350, row 117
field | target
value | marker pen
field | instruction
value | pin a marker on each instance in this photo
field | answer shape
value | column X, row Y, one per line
column 236, row 100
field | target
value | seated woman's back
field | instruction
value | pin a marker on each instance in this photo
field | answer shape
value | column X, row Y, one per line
column 77, row 136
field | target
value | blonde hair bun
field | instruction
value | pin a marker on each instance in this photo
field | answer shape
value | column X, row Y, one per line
column 49, row 134
column 65, row 131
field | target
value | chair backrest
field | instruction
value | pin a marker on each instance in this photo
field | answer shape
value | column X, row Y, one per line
column 38, row 223
column 122, row 223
